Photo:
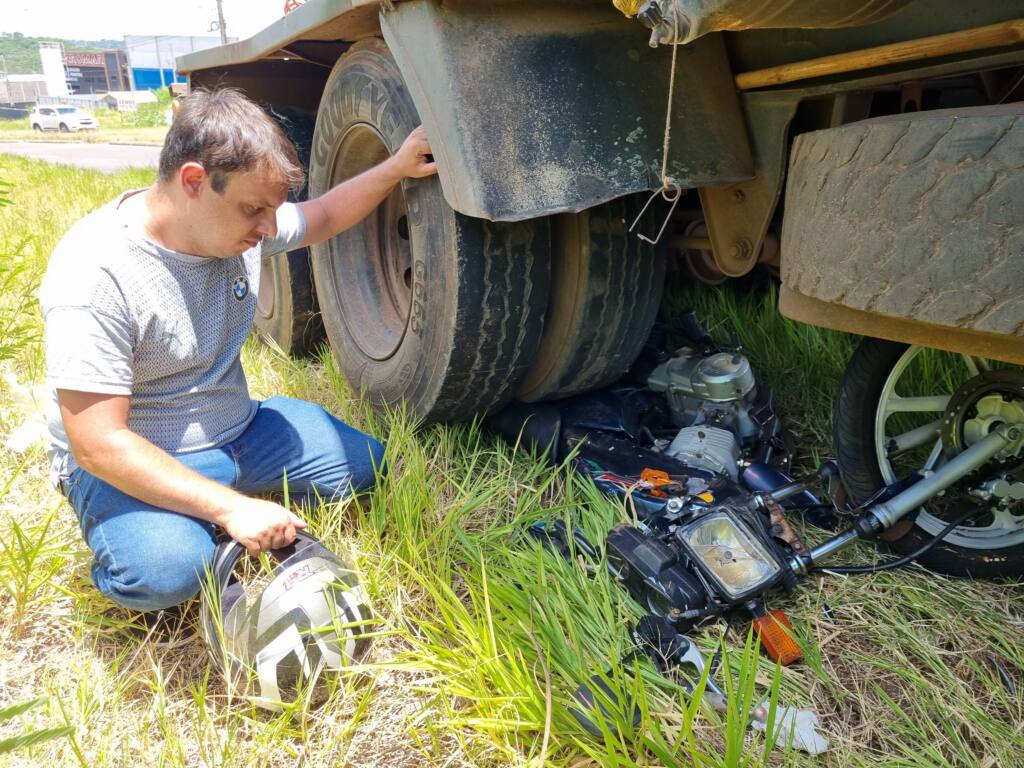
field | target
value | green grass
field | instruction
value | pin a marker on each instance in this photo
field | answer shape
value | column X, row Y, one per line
column 25, row 740
column 483, row 637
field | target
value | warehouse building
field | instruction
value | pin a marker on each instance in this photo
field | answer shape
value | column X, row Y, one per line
column 21, row 89
column 151, row 58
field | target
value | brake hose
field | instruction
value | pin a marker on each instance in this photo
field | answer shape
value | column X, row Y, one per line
column 888, row 565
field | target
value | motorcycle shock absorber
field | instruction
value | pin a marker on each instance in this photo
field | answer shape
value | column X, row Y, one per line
column 879, row 516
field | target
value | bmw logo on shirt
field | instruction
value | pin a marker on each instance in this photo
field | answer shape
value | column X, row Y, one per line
column 240, row 287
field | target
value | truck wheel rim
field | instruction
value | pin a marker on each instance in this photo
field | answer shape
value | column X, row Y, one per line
column 1005, row 529
column 374, row 282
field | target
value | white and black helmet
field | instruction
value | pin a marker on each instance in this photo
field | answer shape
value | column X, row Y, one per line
column 311, row 617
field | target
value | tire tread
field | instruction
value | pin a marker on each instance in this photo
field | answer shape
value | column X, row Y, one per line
column 917, row 217
column 483, row 285
column 624, row 279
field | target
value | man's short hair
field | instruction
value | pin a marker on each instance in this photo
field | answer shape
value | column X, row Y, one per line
column 225, row 132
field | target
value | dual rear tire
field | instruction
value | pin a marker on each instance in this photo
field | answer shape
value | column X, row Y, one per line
column 287, row 313
column 454, row 316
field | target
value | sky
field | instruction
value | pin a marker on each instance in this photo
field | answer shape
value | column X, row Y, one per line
column 113, row 19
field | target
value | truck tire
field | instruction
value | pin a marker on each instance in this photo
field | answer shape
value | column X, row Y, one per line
column 916, row 220
column 606, row 286
column 287, row 314
column 978, row 548
column 421, row 304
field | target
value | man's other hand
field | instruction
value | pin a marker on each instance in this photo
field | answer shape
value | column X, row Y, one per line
column 414, row 158
column 260, row 525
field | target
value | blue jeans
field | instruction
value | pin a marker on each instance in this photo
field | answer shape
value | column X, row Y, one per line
column 147, row 558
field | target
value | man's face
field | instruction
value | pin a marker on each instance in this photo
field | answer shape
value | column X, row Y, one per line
column 227, row 223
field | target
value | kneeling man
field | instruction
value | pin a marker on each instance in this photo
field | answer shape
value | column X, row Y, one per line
column 155, row 440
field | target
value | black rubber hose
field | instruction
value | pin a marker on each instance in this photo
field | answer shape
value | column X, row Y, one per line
column 888, row 565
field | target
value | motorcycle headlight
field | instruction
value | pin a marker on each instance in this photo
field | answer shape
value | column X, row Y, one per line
column 729, row 554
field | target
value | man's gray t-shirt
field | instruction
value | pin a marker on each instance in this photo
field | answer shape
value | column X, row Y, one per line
column 127, row 317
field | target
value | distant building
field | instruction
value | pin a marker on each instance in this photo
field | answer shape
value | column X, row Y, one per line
column 52, row 57
column 87, row 78
column 96, row 72
column 80, row 73
column 151, row 58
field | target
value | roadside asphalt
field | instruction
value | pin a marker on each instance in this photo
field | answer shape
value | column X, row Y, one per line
column 100, row 157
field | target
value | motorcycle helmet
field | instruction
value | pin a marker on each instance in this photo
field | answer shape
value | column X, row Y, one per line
column 274, row 635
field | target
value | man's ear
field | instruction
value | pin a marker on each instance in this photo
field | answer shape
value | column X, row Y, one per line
column 192, row 175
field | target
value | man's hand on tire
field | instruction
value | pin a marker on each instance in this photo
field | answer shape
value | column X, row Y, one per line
column 414, row 158
column 259, row 525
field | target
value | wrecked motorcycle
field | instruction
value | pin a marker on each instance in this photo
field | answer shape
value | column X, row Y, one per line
column 697, row 453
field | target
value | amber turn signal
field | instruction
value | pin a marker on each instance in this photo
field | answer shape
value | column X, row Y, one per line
column 777, row 637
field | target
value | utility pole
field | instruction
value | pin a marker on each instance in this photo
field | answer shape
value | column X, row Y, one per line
column 220, row 22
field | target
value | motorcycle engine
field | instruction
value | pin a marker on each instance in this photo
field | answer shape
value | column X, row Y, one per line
column 713, row 398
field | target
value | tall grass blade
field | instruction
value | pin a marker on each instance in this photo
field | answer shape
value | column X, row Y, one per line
column 25, row 740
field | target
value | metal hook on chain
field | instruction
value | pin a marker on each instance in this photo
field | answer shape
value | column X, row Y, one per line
column 670, row 190
column 670, row 194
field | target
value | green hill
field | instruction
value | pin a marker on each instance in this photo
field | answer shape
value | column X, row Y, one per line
column 21, row 53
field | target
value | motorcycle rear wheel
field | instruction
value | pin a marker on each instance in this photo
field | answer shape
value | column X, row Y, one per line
column 881, row 434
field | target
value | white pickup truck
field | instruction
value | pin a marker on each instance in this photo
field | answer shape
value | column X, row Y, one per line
column 60, row 118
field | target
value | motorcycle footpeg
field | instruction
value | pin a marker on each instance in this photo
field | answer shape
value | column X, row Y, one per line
column 596, row 699
column 668, row 649
column 555, row 537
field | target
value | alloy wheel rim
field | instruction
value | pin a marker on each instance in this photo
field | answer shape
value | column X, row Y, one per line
column 1006, row 529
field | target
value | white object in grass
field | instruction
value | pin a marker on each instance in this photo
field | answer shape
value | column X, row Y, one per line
column 796, row 727
column 27, row 401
